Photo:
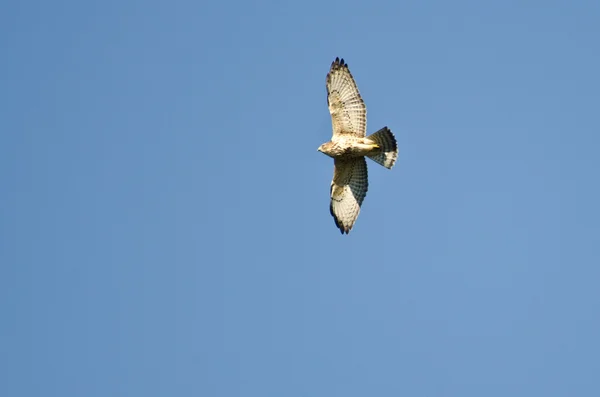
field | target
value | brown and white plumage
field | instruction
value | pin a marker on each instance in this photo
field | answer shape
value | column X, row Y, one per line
column 347, row 108
column 349, row 146
column 348, row 190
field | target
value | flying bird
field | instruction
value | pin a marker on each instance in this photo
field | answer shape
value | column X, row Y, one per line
column 349, row 146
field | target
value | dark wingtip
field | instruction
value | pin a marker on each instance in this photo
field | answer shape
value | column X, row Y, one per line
column 339, row 62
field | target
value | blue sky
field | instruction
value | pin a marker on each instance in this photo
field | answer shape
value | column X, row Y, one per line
column 165, row 224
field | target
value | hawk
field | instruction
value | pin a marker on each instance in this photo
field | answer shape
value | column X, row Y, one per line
column 349, row 145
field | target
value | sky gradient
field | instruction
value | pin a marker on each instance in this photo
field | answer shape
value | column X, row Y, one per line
column 165, row 226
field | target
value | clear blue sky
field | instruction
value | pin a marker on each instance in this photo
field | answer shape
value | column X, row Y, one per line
column 165, row 228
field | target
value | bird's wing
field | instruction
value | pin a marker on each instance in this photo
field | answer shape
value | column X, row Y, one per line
column 348, row 190
column 348, row 110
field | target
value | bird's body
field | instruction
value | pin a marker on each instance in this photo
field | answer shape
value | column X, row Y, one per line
column 349, row 145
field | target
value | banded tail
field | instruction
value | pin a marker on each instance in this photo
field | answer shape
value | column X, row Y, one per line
column 388, row 149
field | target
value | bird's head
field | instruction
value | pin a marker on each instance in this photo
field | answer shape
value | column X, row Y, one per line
column 324, row 148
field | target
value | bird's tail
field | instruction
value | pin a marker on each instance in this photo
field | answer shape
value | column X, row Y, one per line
column 388, row 149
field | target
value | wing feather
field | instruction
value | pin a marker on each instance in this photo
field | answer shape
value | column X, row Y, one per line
column 348, row 190
column 346, row 106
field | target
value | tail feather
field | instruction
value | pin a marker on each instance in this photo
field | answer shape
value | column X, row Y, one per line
column 388, row 148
